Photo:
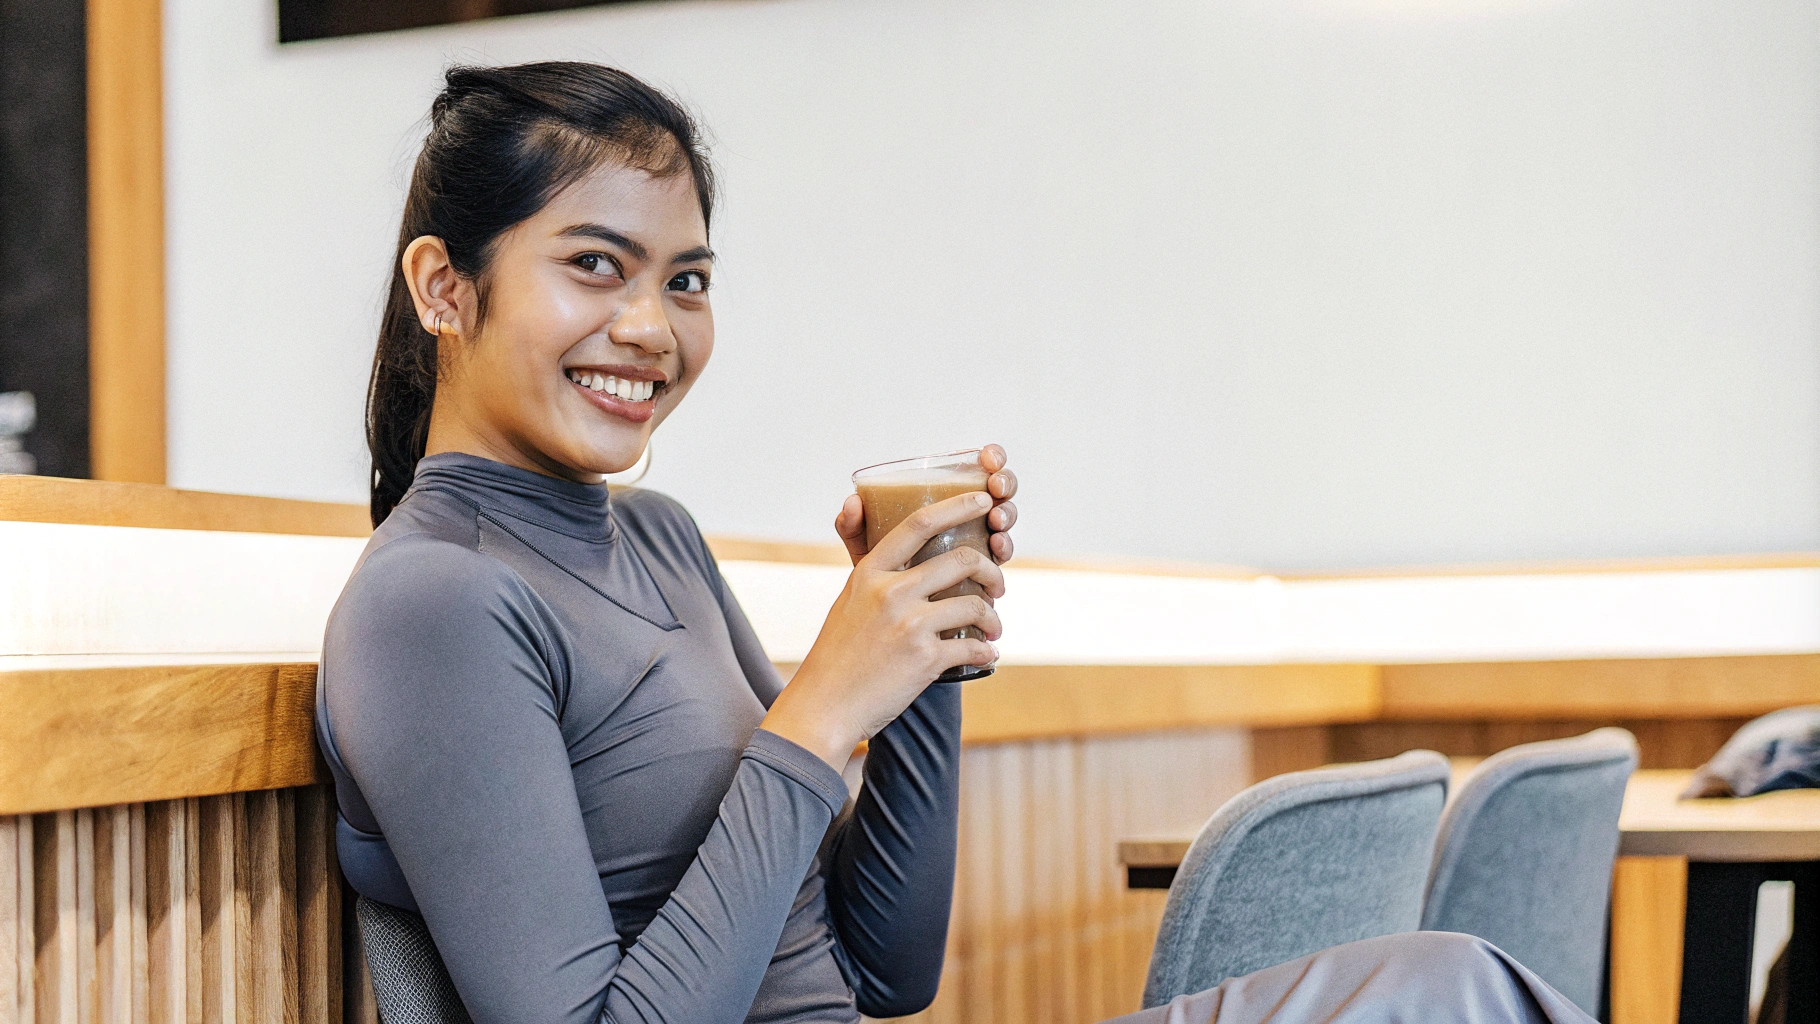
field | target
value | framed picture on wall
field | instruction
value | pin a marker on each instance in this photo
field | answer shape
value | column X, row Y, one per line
column 299, row 20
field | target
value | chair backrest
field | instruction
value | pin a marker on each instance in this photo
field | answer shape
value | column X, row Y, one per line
column 410, row 983
column 1524, row 856
column 1296, row 864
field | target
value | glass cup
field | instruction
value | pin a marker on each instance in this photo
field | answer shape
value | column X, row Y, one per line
column 890, row 491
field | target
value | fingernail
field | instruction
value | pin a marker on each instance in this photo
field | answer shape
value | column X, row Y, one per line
column 981, row 499
column 994, row 649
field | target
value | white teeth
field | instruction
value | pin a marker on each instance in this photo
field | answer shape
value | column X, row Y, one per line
column 630, row 390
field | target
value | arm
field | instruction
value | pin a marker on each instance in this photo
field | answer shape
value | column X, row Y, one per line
column 891, row 870
column 891, row 877
column 443, row 700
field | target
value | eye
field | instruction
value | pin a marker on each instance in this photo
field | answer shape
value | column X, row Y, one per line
column 597, row 263
column 689, row 281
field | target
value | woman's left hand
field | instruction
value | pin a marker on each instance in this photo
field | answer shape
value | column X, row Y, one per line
column 1001, row 483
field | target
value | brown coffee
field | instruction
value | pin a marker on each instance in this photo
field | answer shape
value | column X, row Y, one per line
column 890, row 495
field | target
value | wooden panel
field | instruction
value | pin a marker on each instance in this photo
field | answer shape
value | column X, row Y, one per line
column 43, row 499
column 1648, row 906
column 1291, row 749
column 1043, row 928
column 1639, row 688
column 177, row 911
column 126, row 229
column 1035, row 701
column 1662, row 743
column 122, row 735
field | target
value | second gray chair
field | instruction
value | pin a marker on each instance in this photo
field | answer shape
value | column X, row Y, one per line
column 1297, row 864
column 1524, row 857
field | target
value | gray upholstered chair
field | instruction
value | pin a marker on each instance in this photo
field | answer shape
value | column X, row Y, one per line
column 1524, row 857
column 1296, row 864
column 410, row 983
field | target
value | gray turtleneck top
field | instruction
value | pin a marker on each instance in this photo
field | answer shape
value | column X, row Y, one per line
column 541, row 710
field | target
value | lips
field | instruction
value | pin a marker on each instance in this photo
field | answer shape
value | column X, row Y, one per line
column 628, row 393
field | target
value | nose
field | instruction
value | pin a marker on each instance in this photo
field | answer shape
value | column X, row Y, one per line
column 642, row 323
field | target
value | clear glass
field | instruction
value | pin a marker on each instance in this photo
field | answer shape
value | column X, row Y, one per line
column 890, row 491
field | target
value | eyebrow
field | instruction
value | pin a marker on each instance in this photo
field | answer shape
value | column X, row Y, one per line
column 638, row 251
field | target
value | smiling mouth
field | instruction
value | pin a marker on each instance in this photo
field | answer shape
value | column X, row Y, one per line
column 618, row 387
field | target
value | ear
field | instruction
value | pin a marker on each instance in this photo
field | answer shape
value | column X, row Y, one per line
column 436, row 289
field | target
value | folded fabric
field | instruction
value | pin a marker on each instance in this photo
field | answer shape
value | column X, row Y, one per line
column 1781, row 750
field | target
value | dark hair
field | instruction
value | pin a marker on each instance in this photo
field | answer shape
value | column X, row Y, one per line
column 502, row 143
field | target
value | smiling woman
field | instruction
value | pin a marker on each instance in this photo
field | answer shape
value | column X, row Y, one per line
column 563, row 762
column 553, row 732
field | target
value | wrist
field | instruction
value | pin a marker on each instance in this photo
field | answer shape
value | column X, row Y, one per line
column 814, row 729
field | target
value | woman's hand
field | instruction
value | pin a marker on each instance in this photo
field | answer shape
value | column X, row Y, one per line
column 881, row 644
column 1001, row 483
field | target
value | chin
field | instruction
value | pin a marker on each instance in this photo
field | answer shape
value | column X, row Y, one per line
column 616, row 457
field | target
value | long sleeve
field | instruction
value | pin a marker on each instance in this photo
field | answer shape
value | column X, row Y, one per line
column 442, row 698
column 891, row 868
column 891, row 876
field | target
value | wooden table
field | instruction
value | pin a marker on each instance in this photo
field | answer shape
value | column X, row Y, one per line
column 1731, row 847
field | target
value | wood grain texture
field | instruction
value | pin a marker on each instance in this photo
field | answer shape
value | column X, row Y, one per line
column 1616, row 687
column 1662, row 743
column 175, row 911
column 1779, row 826
column 10, row 931
column 1037, row 701
column 91, row 737
column 43, row 499
column 126, row 222
column 1044, row 929
column 1648, row 906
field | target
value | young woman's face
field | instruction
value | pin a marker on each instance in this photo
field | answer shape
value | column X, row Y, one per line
column 597, row 323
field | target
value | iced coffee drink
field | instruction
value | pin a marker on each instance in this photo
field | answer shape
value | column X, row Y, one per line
column 893, row 490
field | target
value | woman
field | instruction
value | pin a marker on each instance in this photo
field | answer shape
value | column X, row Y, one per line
column 553, row 733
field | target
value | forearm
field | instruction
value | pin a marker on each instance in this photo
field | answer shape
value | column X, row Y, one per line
column 892, row 867
column 704, row 955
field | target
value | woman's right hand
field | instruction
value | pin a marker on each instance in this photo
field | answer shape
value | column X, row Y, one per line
column 881, row 644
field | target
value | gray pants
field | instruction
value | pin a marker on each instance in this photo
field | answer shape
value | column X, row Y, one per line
column 1425, row 977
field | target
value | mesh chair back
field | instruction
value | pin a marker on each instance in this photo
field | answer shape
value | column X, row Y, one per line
column 1524, row 857
column 410, row 983
column 1297, row 864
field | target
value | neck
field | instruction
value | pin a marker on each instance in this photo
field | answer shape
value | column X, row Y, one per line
column 452, row 431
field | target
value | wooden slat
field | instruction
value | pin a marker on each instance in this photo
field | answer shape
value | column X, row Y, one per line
column 142, row 996
column 164, row 912
column 220, row 911
column 1032, row 701
column 318, row 908
column 91, row 737
column 10, row 959
column 87, row 972
column 1648, row 907
column 126, row 225
column 1614, row 688
column 28, row 918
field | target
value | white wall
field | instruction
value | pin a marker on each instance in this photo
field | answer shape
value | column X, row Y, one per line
column 1278, row 282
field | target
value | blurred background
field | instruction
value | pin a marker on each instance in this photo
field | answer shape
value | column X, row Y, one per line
column 1280, row 283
